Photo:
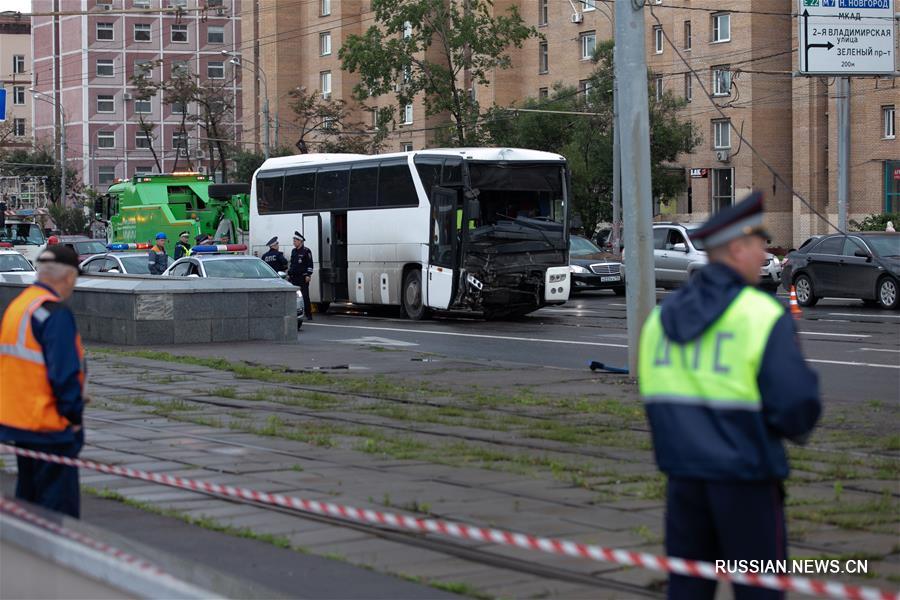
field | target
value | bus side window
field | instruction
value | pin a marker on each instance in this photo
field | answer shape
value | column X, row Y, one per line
column 429, row 172
column 364, row 186
column 299, row 191
column 452, row 172
column 395, row 186
column 331, row 188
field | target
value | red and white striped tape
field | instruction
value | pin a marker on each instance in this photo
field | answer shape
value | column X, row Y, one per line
column 12, row 508
column 666, row 564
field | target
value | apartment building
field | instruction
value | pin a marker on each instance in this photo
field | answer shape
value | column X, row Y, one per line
column 742, row 52
column 15, row 78
column 84, row 63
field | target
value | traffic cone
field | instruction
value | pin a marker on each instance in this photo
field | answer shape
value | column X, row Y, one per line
column 796, row 312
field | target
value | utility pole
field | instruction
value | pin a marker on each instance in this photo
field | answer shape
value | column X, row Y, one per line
column 276, row 129
column 266, row 127
column 843, row 119
column 633, row 128
column 62, row 156
column 616, row 235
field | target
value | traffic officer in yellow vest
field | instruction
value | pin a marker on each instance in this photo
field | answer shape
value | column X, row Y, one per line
column 723, row 382
column 42, row 382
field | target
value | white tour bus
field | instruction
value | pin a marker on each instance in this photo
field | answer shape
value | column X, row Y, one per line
column 482, row 230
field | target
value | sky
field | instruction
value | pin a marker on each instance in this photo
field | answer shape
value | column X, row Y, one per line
column 16, row 5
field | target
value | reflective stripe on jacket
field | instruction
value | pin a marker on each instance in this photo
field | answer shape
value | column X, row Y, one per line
column 702, row 397
column 27, row 401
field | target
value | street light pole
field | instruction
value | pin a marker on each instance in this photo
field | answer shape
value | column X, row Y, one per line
column 62, row 139
column 238, row 61
column 634, row 136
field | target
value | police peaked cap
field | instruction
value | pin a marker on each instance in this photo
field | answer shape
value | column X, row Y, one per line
column 742, row 219
column 299, row 236
column 183, row 233
column 273, row 241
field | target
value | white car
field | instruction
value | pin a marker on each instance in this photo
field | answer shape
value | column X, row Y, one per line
column 231, row 266
column 123, row 263
column 13, row 262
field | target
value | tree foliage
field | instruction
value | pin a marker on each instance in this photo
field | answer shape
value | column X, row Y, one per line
column 38, row 163
column 436, row 50
column 876, row 222
column 327, row 125
column 214, row 101
column 70, row 220
column 587, row 140
column 246, row 162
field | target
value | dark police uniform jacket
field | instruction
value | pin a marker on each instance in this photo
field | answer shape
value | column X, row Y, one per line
column 275, row 259
column 301, row 265
column 706, row 440
column 181, row 250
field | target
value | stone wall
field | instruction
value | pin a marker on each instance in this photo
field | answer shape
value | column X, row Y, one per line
column 145, row 310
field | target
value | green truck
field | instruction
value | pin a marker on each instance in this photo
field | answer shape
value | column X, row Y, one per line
column 135, row 210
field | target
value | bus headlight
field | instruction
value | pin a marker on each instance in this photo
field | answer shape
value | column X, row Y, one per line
column 556, row 278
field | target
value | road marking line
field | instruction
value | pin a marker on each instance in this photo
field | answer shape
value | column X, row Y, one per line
column 470, row 335
column 851, row 364
column 853, row 335
column 865, row 315
column 878, row 350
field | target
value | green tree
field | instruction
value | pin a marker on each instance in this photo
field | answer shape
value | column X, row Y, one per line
column 38, row 163
column 875, row 222
column 328, row 125
column 70, row 220
column 587, row 140
column 438, row 50
column 247, row 162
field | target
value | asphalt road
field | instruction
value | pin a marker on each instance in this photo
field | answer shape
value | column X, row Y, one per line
column 855, row 349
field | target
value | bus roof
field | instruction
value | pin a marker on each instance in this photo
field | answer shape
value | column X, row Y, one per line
column 487, row 154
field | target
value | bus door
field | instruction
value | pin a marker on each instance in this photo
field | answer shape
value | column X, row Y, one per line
column 333, row 262
column 443, row 247
column 312, row 231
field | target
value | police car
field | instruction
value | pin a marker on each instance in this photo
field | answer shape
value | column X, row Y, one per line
column 124, row 259
column 13, row 262
column 221, row 261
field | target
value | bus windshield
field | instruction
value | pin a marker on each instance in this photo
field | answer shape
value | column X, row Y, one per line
column 519, row 196
column 22, row 234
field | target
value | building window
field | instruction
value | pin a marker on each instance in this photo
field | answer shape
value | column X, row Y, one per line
column 106, row 175
column 723, row 189
column 657, row 39
column 406, row 147
column 143, row 68
column 142, row 32
column 408, row 114
column 19, row 95
column 106, row 139
column 143, row 107
column 543, row 93
column 721, row 27
column 543, row 12
column 215, row 34
column 407, row 30
column 658, row 87
column 18, row 63
column 142, row 3
column 722, row 134
column 325, row 43
column 589, row 5
column 588, row 43
column 215, row 69
column 179, row 108
column 105, row 32
column 106, row 104
column 177, row 3
column 543, row 58
column 888, row 117
column 19, row 127
column 104, row 4
column 180, row 142
column 585, row 86
column 179, row 34
column 721, row 80
column 141, row 141
column 687, row 35
column 325, row 8
column 688, row 87
column 325, row 84
column 180, row 68
column 105, row 68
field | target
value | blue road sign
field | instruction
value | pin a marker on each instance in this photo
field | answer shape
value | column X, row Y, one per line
column 2, row 104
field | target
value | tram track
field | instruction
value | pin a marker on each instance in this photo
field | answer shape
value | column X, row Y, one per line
column 435, row 544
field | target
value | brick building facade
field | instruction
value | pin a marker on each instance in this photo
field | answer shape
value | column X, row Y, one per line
column 85, row 61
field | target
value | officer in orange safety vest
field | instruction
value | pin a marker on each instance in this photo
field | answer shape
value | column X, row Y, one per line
column 42, row 378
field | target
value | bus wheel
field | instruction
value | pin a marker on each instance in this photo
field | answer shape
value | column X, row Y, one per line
column 413, row 301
